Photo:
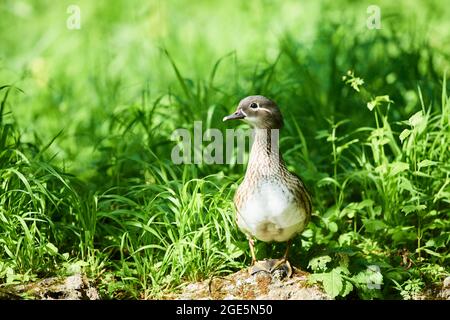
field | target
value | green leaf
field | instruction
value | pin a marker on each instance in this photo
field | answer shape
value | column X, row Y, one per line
column 402, row 234
column 52, row 249
column 347, row 238
column 319, row 263
column 333, row 227
column 353, row 207
column 426, row 163
column 332, row 283
column 322, row 134
column 373, row 225
column 377, row 101
column 405, row 133
column 369, row 278
column 405, row 184
column 429, row 251
column 384, row 98
column 416, row 119
column 365, row 203
column 308, row 233
column 371, row 105
column 412, row 208
column 348, row 287
column 397, row 167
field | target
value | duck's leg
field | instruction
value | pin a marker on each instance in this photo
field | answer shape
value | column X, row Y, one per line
column 258, row 266
column 286, row 253
column 284, row 262
column 251, row 244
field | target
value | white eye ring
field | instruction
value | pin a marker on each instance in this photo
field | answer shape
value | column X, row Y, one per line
column 254, row 105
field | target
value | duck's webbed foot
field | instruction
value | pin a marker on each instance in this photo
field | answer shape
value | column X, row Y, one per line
column 279, row 267
column 283, row 266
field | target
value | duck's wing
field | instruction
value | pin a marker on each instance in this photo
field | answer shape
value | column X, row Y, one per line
column 300, row 192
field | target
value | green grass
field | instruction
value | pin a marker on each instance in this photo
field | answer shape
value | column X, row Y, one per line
column 86, row 116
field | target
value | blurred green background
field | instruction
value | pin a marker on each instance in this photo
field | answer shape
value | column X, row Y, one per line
column 86, row 178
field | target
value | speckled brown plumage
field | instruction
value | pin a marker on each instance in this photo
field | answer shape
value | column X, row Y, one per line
column 268, row 165
column 272, row 203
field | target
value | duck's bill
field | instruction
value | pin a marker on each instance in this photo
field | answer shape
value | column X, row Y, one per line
column 237, row 115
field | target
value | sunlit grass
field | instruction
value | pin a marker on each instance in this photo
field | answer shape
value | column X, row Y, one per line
column 86, row 179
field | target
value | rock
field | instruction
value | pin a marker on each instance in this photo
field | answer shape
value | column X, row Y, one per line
column 260, row 286
column 434, row 292
column 445, row 292
column 75, row 287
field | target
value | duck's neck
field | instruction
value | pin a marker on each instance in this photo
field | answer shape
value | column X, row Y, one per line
column 265, row 157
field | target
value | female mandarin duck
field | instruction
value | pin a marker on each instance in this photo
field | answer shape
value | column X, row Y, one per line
column 272, row 203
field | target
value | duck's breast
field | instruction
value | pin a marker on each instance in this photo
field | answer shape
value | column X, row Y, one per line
column 270, row 212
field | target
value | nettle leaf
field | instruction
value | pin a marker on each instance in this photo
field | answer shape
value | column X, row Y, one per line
column 332, row 282
column 343, row 263
column 384, row 98
column 431, row 252
column 52, row 249
column 377, row 133
column 381, row 169
column 319, row 263
column 371, row 105
column 347, row 238
column 331, row 212
column 438, row 242
column 405, row 134
column 371, row 278
column 348, row 287
column 350, row 213
column 421, row 174
column 416, row 119
column 365, row 203
column 405, row 184
column 322, row 134
column 308, row 233
column 333, row 227
column 373, row 225
column 354, row 207
column 412, row 208
column 426, row 163
column 377, row 101
column 397, row 167
column 437, row 224
column 441, row 195
column 402, row 234
column 346, row 146
column 328, row 181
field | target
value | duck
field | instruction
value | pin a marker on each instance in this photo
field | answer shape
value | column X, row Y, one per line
column 271, row 203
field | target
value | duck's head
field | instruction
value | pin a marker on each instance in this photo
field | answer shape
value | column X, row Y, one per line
column 260, row 112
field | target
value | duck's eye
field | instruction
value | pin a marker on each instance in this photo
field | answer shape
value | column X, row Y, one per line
column 254, row 105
